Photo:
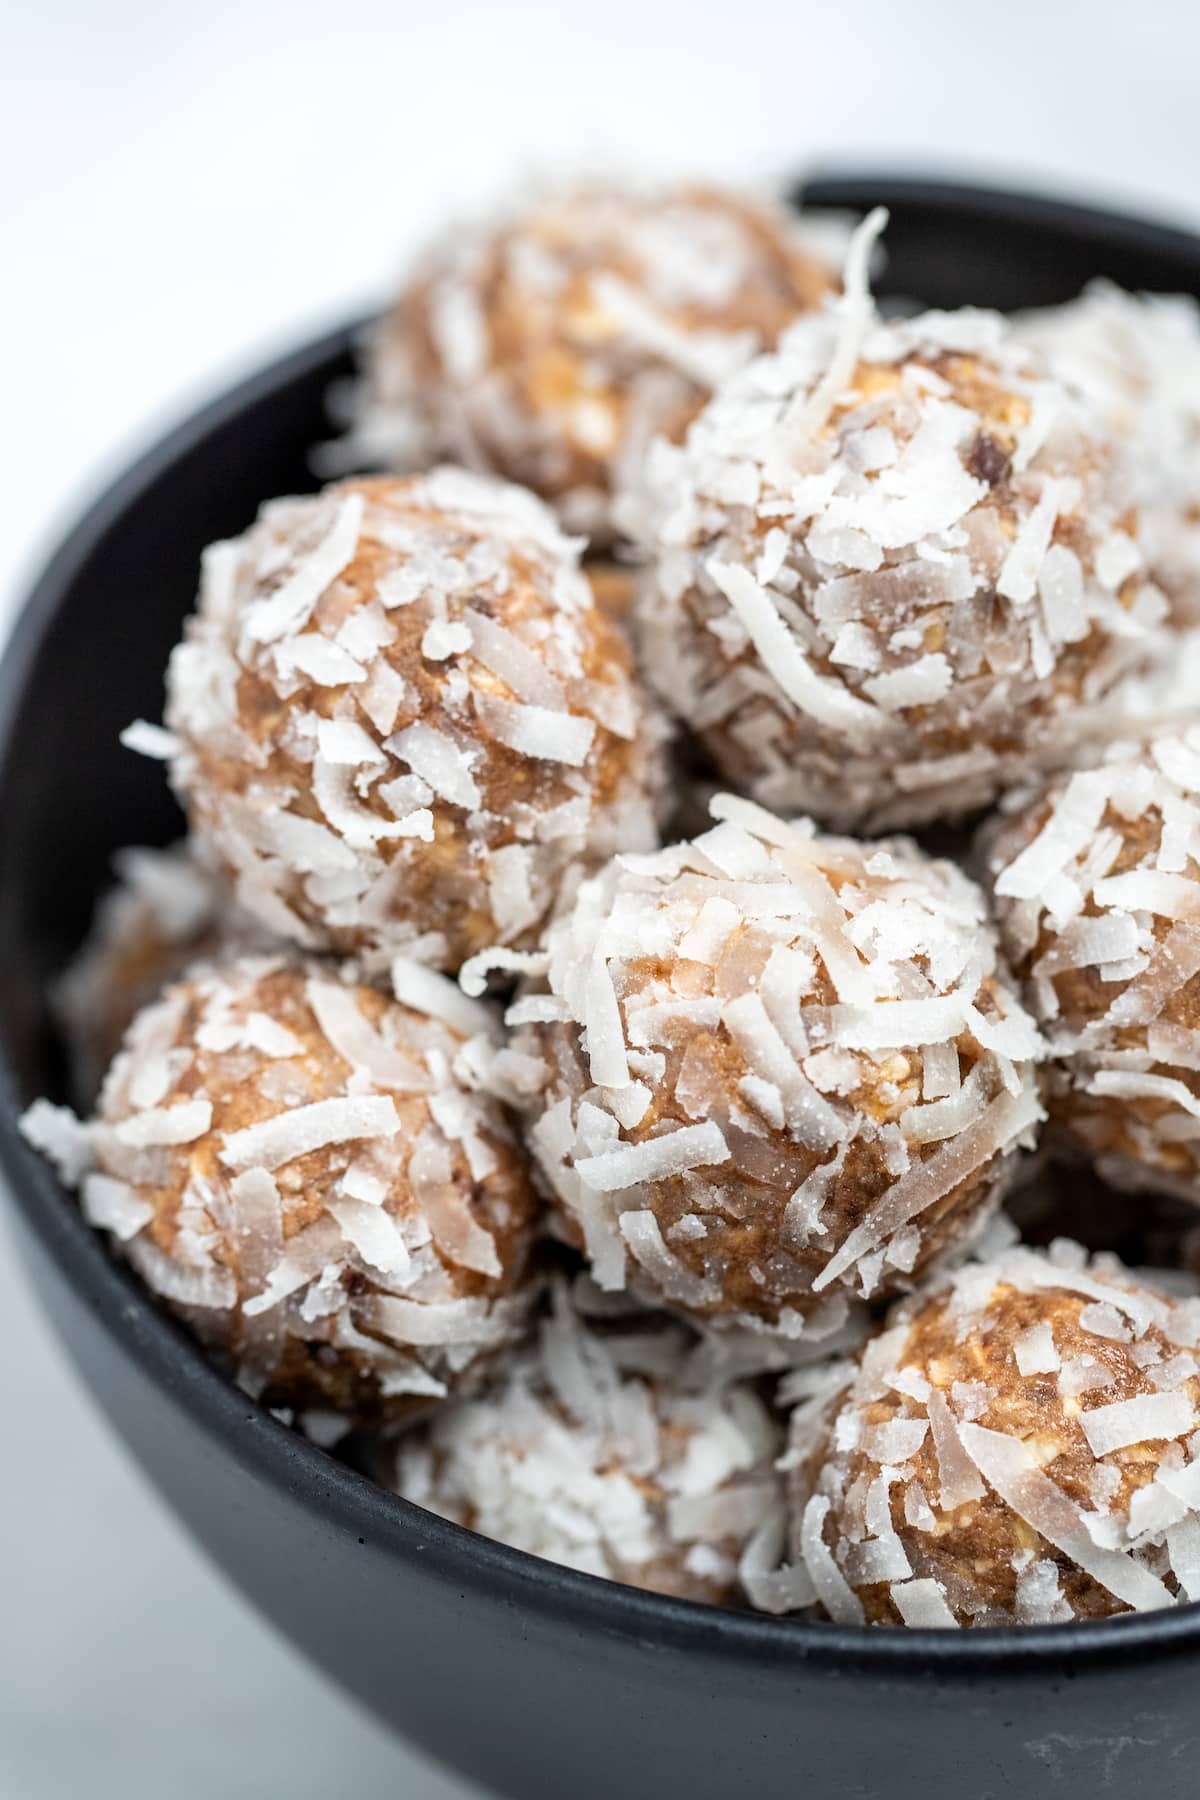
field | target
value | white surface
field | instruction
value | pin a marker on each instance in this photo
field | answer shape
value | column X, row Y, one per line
column 184, row 188
column 129, row 1670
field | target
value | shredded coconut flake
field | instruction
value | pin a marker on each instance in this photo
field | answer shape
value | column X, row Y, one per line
column 282, row 1139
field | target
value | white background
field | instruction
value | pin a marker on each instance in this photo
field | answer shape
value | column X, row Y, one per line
column 186, row 188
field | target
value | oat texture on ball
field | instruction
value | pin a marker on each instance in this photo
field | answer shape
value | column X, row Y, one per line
column 894, row 566
column 1019, row 1448
column 1096, row 888
column 289, row 1162
column 400, row 721
column 602, row 1447
column 552, row 345
column 771, row 1071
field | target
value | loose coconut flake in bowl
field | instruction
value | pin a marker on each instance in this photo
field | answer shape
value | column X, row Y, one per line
column 1096, row 888
column 601, row 1446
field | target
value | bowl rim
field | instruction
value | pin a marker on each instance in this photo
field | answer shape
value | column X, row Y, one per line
column 301, row 1473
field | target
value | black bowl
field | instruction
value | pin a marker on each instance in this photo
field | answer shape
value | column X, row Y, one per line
column 536, row 1681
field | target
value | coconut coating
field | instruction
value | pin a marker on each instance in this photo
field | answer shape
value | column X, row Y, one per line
column 1017, row 1449
column 166, row 910
column 401, row 721
column 1137, row 358
column 604, row 1448
column 1096, row 889
column 288, row 1160
column 773, row 1070
column 552, row 345
column 893, row 568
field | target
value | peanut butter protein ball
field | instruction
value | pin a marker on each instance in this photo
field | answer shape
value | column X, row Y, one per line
column 402, row 724
column 1096, row 889
column 1019, row 1448
column 289, row 1162
column 551, row 346
column 893, row 568
column 773, row 1071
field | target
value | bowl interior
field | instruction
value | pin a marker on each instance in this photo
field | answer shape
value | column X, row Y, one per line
column 89, row 650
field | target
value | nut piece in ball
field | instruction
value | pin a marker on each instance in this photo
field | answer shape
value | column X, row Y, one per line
column 402, row 723
column 777, row 1070
column 552, row 346
column 288, row 1161
column 1018, row 1449
column 893, row 568
column 601, row 1447
column 1096, row 889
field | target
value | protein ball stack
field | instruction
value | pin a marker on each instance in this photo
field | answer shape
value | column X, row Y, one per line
column 1096, row 889
column 778, row 1070
column 288, row 1161
column 893, row 567
column 767, row 1085
column 1019, row 1448
column 401, row 721
column 599, row 1447
column 553, row 345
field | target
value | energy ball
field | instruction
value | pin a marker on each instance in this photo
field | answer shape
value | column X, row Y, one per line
column 1137, row 358
column 599, row 1448
column 402, row 724
column 1096, row 890
column 893, row 568
column 166, row 910
column 1017, row 1449
column 289, row 1162
column 772, row 1071
column 551, row 346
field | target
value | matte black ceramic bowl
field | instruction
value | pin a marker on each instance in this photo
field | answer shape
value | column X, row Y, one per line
column 538, row 1682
